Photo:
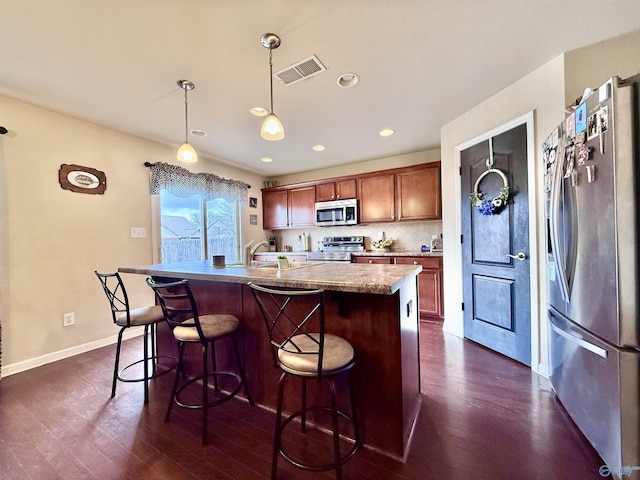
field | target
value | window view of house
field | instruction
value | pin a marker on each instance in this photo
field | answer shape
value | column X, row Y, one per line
column 195, row 229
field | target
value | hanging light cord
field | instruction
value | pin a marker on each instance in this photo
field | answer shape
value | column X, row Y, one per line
column 186, row 117
column 271, row 77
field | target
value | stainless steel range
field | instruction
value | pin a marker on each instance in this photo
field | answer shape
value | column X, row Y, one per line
column 337, row 249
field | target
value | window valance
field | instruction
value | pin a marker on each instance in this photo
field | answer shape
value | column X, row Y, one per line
column 180, row 182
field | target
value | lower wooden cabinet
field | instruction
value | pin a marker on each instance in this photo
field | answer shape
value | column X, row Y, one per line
column 367, row 259
column 429, row 285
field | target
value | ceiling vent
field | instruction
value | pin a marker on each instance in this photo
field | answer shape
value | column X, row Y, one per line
column 299, row 71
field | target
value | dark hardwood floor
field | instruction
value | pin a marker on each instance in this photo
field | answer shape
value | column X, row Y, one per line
column 483, row 417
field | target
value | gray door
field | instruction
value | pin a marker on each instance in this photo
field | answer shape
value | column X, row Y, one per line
column 497, row 308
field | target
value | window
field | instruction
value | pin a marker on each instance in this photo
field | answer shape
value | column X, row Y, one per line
column 193, row 228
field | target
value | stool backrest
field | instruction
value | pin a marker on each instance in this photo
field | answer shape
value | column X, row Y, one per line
column 178, row 304
column 291, row 316
column 116, row 294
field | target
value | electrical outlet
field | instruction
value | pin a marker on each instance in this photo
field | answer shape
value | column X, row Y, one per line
column 138, row 232
column 68, row 319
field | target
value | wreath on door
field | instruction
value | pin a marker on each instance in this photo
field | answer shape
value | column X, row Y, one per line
column 494, row 206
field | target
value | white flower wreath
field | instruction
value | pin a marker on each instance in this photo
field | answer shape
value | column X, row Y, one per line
column 490, row 207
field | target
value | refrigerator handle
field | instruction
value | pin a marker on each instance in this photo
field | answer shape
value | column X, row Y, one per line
column 601, row 352
column 554, row 221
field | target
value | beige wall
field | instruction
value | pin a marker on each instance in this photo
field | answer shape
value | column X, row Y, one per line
column 51, row 240
column 593, row 65
column 545, row 91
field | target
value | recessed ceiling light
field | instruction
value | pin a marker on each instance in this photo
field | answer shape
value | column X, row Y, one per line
column 198, row 133
column 258, row 111
column 348, row 80
column 267, row 159
column 387, row 132
column 318, row 148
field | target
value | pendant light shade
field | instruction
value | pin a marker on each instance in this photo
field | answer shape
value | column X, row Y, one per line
column 186, row 153
column 272, row 128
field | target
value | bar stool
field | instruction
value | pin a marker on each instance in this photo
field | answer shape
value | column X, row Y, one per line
column 125, row 317
column 295, row 323
column 188, row 327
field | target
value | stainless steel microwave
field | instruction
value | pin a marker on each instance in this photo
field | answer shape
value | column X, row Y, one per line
column 338, row 212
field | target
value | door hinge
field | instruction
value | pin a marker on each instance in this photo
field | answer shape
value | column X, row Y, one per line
column 460, row 170
column 462, row 306
column 461, row 238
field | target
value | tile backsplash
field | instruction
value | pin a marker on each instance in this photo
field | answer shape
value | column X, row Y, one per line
column 406, row 235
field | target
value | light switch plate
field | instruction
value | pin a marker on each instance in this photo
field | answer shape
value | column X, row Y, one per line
column 138, row 232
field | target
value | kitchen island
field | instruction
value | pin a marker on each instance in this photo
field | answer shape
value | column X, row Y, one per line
column 374, row 307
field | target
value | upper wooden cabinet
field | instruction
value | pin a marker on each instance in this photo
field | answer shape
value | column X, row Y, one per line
column 418, row 195
column 274, row 209
column 400, row 194
column 377, row 198
column 338, row 190
column 301, row 206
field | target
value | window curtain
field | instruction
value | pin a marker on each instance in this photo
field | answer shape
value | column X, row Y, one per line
column 180, row 182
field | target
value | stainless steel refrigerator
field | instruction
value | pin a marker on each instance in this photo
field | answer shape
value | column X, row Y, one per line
column 591, row 182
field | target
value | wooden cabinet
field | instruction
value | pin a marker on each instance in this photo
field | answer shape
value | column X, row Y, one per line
column 429, row 285
column 377, row 198
column 301, row 206
column 400, row 194
column 288, row 207
column 338, row 190
column 418, row 193
column 274, row 209
column 368, row 259
column 406, row 194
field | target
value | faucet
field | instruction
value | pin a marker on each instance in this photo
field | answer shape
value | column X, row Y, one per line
column 251, row 248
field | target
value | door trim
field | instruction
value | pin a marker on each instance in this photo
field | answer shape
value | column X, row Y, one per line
column 538, row 365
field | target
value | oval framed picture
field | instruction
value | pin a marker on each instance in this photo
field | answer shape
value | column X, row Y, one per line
column 82, row 179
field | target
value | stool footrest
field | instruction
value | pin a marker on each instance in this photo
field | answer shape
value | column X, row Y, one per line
column 313, row 467
column 163, row 368
column 226, row 397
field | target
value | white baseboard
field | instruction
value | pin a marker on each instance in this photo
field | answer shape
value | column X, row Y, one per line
column 67, row 352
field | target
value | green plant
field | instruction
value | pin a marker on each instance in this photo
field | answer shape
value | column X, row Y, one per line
column 282, row 257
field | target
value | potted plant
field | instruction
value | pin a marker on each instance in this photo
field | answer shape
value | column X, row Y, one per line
column 283, row 262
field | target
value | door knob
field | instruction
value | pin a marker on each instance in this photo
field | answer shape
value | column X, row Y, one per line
column 518, row 256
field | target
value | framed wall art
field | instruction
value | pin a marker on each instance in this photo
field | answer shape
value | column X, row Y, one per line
column 82, row 179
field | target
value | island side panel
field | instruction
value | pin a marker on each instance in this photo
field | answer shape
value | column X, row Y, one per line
column 371, row 324
column 385, row 340
column 410, row 348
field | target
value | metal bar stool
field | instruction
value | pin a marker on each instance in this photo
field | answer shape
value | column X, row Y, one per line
column 188, row 327
column 125, row 317
column 302, row 349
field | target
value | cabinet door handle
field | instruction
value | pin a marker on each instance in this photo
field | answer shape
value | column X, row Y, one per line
column 415, row 262
column 370, row 261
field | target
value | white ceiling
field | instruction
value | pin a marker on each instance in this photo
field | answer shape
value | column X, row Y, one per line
column 422, row 63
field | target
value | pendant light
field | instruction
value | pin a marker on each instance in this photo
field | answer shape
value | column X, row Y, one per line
column 271, row 129
column 186, row 153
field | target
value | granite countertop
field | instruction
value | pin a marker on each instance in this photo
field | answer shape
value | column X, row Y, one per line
column 396, row 253
column 335, row 276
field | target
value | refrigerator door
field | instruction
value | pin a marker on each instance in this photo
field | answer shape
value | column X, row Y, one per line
column 598, row 385
column 598, row 224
